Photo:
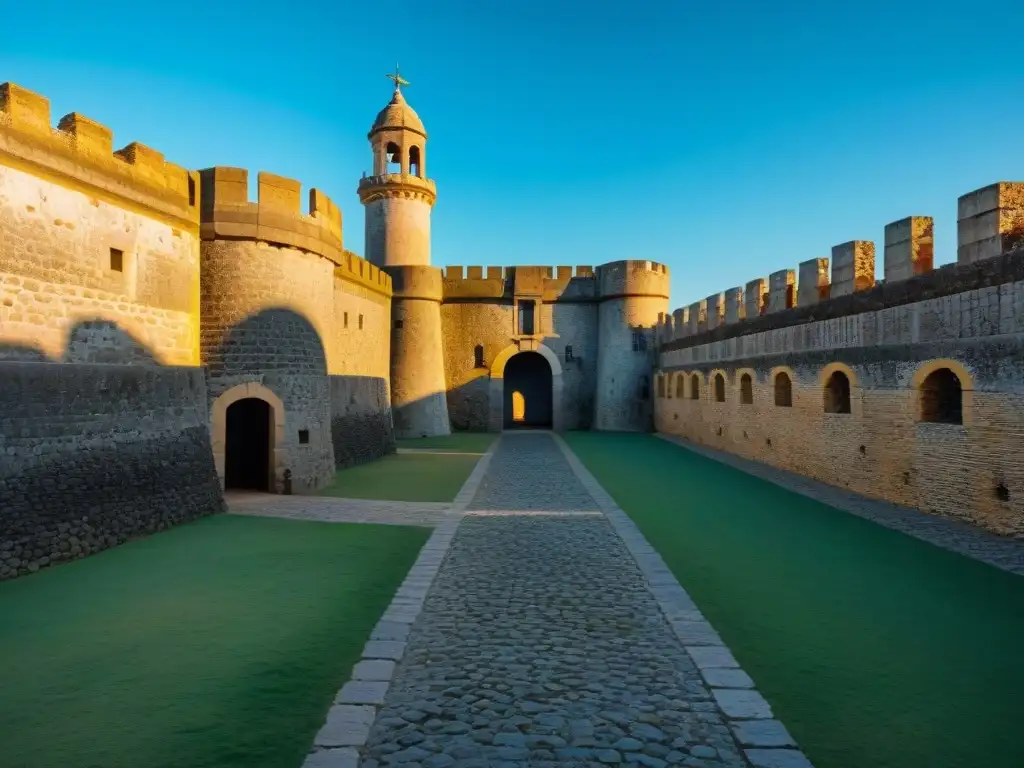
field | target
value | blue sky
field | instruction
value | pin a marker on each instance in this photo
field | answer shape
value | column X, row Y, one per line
column 728, row 140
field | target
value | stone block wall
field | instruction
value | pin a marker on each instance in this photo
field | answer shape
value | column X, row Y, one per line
column 886, row 346
column 95, row 455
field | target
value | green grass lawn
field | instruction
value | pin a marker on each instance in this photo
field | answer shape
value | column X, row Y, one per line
column 404, row 477
column 875, row 649
column 220, row 643
column 470, row 442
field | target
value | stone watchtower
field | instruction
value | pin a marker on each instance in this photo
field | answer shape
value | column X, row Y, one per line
column 398, row 199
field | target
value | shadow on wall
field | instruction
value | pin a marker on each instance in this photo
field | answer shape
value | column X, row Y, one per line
column 277, row 339
column 100, row 446
column 95, row 340
column 282, row 349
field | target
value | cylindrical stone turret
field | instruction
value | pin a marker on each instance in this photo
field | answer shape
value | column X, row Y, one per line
column 398, row 198
column 632, row 293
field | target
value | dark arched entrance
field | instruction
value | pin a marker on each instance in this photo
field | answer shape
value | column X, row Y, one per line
column 527, row 391
column 247, row 445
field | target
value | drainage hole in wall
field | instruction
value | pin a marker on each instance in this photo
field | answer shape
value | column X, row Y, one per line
column 863, row 450
column 906, row 478
column 768, row 442
column 1002, row 492
column 744, row 434
column 719, row 431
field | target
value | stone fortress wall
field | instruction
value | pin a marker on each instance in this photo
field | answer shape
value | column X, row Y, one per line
column 909, row 390
column 285, row 307
column 133, row 312
column 595, row 327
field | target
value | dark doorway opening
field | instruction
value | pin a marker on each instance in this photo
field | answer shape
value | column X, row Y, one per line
column 528, row 391
column 247, row 445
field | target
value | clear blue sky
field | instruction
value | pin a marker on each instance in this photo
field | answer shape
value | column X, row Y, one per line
column 727, row 140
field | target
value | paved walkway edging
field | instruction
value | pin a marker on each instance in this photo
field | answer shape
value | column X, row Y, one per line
column 764, row 739
column 355, row 707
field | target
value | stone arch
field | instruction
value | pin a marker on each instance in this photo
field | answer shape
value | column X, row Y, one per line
column 219, row 426
column 746, row 378
column 718, row 381
column 966, row 386
column 696, row 381
column 829, row 392
column 680, row 380
column 783, row 390
column 496, row 414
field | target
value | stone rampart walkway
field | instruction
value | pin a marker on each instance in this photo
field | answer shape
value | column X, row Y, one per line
column 541, row 629
column 330, row 509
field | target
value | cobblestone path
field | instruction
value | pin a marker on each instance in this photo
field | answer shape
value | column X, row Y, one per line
column 541, row 643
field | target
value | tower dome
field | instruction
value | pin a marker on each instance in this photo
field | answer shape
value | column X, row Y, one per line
column 398, row 115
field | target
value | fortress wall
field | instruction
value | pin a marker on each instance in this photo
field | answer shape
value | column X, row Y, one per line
column 68, row 202
column 466, row 324
column 267, row 317
column 97, row 454
column 361, row 425
column 885, row 339
column 634, row 295
column 268, row 313
column 479, row 309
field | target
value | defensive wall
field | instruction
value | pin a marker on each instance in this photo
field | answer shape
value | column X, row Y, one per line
column 910, row 389
column 583, row 318
column 118, row 280
column 286, row 307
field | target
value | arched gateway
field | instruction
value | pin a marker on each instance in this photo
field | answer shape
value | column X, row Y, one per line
column 526, row 388
column 528, row 401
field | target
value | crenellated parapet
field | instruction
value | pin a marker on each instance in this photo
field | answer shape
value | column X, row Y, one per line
column 620, row 279
column 79, row 154
column 357, row 270
column 549, row 284
column 990, row 236
column 276, row 217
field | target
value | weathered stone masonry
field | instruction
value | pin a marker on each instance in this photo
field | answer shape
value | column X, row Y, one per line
column 101, row 255
column 911, row 390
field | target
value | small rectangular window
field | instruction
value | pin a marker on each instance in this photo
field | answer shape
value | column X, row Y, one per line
column 398, row 323
column 526, row 312
column 360, row 322
column 116, row 260
column 639, row 341
column 344, row 320
column 303, row 436
column 568, row 353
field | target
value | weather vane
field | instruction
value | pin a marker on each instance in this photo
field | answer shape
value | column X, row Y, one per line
column 397, row 78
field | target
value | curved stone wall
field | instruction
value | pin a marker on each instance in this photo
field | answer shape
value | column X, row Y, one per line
column 267, row 316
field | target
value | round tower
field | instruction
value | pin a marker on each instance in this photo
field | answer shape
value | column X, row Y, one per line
column 398, row 198
column 632, row 294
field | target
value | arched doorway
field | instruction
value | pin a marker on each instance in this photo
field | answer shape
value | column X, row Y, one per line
column 247, row 445
column 528, row 391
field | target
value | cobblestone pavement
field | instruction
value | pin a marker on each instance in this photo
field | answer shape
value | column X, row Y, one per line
column 335, row 510
column 963, row 538
column 540, row 642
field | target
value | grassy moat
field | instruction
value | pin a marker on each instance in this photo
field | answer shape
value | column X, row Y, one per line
column 220, row 643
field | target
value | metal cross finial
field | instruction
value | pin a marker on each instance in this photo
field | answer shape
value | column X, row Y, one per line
column 397, row 78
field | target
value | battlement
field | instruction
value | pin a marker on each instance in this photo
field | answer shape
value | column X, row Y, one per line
column 990, row 236
column 619, row 279
column 355, row 269
column 79, row 154
column 615, row 279
column 561, row 283
column 276, row 217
